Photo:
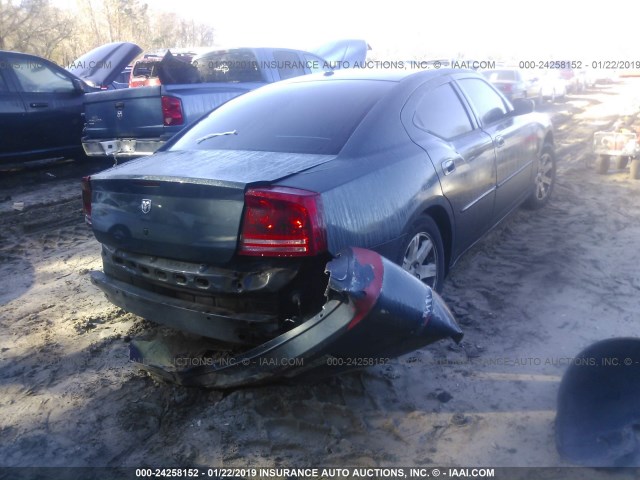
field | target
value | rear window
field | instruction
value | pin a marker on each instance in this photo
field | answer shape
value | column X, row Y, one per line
column 228, row 67
column 308, row 117
column 148, row 68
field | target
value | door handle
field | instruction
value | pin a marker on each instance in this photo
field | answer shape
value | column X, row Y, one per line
column 499, row 141
column 448, row 166
column 38, row 105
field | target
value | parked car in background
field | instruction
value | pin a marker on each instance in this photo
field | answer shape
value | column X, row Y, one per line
column 122, row 80
column 574, row 81
column 137, row 121
column 41, row 104
column 604, row 76
column 226, row 231
column 144, row 72
column 511, row 82
column 551, row 85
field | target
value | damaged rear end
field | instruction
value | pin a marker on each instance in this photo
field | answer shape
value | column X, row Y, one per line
column 374, row 310
column 219, row 253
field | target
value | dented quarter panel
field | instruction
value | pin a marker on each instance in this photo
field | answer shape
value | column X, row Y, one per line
column 354, row 212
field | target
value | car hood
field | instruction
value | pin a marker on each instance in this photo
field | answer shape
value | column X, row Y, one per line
column 343, row 53
column 103, row 64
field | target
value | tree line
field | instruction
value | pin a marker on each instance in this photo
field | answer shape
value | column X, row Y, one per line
column 41, row 28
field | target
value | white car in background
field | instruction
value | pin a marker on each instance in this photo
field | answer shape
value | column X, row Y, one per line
column 547, row 84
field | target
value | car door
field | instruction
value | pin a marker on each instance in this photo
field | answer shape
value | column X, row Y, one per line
column 12, row 112
column 52, row 102
column 437, row 119
column 514, row 155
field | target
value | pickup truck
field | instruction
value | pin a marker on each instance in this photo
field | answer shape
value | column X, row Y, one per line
column 136, row 122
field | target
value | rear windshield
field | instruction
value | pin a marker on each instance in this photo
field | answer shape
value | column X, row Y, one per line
column 307, row 117
column 228, row 67
column 146, row 69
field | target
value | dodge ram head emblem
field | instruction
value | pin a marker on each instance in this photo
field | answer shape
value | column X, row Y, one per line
column 146, row 205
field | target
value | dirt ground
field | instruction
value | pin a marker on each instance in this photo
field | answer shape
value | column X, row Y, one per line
column 530, row 296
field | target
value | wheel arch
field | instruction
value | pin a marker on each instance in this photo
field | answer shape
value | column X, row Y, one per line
column 441, row 216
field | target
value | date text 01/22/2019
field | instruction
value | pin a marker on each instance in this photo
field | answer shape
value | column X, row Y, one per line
column 579, row 64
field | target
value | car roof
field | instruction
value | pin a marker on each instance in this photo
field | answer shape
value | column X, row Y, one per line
column 389, row 75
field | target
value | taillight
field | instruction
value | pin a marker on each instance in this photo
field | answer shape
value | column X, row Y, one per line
column 282, row 222
column 172, row 111
column 86, row 199
column 507, row 87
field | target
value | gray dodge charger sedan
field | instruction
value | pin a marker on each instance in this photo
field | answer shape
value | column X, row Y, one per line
column 226, row 231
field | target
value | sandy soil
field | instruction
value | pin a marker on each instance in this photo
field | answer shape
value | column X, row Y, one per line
column 529, row 297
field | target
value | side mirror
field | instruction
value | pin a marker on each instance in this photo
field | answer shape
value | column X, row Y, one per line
column 522, row 106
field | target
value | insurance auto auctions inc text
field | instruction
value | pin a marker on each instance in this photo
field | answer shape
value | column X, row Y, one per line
column 316, row 65
column 370, row 473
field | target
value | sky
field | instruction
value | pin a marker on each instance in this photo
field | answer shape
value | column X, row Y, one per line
column 401, row 29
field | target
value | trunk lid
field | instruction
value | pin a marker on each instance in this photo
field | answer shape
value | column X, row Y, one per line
column 185, row 205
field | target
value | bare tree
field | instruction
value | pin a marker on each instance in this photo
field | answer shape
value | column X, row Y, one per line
column 40, row 28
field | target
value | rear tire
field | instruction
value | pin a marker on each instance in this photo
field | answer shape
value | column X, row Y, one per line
column 422, row 255
column 602, row 164
column 621, row 162
column 544, row 179
column 635, row 169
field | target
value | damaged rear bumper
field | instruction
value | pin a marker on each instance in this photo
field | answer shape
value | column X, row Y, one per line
column 375, row 310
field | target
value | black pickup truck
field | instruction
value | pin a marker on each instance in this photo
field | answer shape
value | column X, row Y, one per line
column 135, row 122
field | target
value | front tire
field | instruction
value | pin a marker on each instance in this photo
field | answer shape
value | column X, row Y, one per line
column 422, row 255
column 634, row 169
column 544, row 180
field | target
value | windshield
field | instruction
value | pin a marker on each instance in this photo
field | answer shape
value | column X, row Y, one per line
column 308, row 117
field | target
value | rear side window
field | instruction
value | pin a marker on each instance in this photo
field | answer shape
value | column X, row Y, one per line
column 486, row 102
column 231, row 66
column 289, row 64
column 441, row 113
column 307, row 117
